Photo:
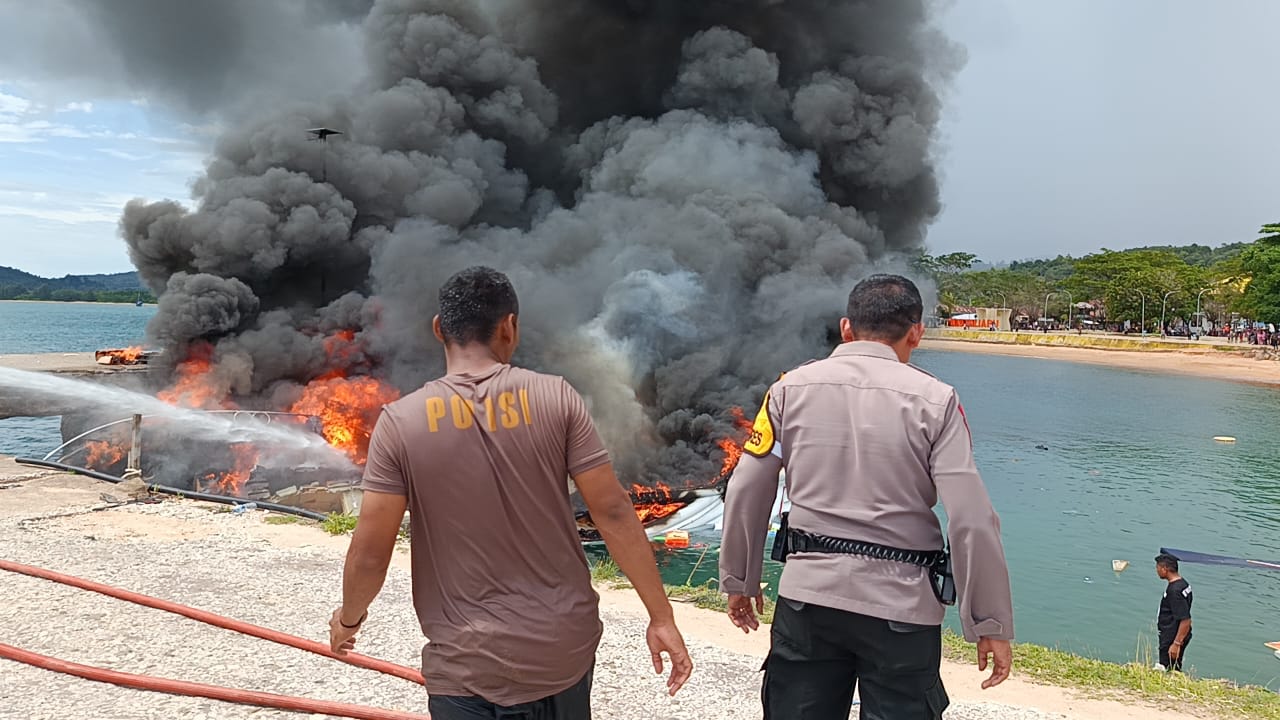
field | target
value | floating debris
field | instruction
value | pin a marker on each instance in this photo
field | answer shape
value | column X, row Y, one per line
column 1119, row 565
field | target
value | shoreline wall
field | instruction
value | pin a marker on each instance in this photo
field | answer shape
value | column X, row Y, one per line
column 1098, row 342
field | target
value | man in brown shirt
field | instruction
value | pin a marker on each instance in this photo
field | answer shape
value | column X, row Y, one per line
column 481, row 458
column 869, row 444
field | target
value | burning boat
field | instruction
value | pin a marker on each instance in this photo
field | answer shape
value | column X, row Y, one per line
column 660, row 510
column 243, row 464
column 340, row 409
column 135, row 355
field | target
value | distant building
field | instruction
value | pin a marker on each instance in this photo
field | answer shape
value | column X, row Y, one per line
column 982, row 319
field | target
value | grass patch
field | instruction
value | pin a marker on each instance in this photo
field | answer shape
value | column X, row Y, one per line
column 343, row 523
column 339, row 523
column 709, row 597
column 706, row 596
column 1135, row 680
column 282, row 519
column 605, row 571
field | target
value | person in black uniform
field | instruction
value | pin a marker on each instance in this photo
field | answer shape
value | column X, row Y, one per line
column 1174, row 621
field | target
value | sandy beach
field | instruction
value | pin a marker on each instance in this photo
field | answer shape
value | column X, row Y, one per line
column 1197, row 361
column 286, row 577
column 65, row 363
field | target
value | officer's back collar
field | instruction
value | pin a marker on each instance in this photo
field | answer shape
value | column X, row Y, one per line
column 867, row 348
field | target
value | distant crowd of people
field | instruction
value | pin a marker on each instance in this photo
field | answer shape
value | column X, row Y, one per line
column 1255, row 336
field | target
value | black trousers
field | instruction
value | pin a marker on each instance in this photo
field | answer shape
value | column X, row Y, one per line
column 1165, row 644
column 818, row 655
column 571, row 704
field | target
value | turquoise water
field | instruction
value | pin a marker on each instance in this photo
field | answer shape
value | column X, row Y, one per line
column 29, row 437
column 42, row 327
column 1131, row 467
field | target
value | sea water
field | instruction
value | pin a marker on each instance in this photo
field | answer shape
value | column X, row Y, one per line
column 1130, row 466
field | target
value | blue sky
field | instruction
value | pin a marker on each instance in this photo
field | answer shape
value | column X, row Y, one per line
column 1082, row 124
column 1074, row 125
column 66, row 171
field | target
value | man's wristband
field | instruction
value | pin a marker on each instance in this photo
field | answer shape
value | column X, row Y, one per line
column 358, row 622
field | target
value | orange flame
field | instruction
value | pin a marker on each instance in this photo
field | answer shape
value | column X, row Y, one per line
column 652, row 512
column 733, row 448
column 732, row 454
column 103, row 454
column 127, row 356
column 194, row 387
column 348, row 409
column 232, row 482
column 341, row 348
column 653, row 503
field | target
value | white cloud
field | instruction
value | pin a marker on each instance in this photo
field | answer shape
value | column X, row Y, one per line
column 207, row 130
column 35, row 148
column 58, row 203
column 67, row 214
column 11, row 132
column 56, row 130
column 84, row 107
column 13, row 105
column 18, row 194
column 122, row 155
column 34, row 131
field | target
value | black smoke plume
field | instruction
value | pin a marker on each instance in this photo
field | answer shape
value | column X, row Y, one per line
column 683, row 193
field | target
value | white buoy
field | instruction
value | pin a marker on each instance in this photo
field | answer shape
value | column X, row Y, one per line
column 1224, row 439
column 1119, row 565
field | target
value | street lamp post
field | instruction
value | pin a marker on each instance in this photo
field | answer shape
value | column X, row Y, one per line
column 322, row 134
column 1144, row 310
column 1162, row 306
column 1046, row 308
column 1071, row 302
column 1199, row 319
column 999, row 322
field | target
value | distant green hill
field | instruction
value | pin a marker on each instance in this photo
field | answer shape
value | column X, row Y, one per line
column 115, row 287
column 1198, row 255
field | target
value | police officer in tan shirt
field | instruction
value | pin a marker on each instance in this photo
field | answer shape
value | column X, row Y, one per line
column 501, row 587
column 870, row 444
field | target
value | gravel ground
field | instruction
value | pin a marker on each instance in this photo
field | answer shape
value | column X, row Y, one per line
column 222, row 562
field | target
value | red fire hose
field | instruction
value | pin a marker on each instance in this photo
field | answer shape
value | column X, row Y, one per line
column 182, row 687
column 364, row 661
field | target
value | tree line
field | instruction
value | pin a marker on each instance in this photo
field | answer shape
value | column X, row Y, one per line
column 44, row 292
column 1240, row 280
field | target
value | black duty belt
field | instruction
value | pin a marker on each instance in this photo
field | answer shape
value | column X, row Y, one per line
column 937, row 562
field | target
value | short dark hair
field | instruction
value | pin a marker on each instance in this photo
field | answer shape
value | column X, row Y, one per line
column 884, row 307
column 473, row 302
column 1167, row 561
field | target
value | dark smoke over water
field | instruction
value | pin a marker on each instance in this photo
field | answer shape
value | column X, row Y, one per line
column 682, row 192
